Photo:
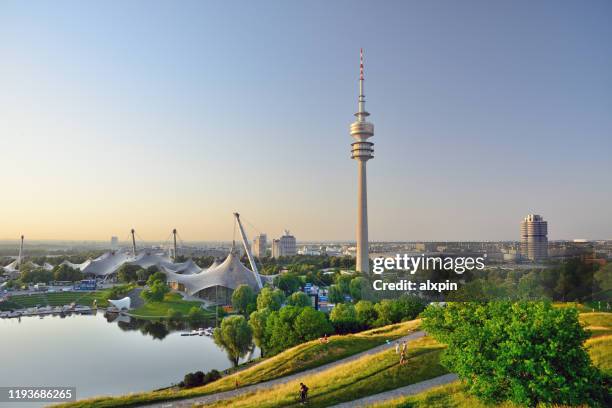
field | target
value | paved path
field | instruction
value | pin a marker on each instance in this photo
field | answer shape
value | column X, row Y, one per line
column 400, row 392
column 282, row 380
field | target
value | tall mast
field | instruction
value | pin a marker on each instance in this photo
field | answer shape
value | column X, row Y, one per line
column 20, row 251
column 247, row 248
column 133, row 243
column 362, row 150
column 174, row 233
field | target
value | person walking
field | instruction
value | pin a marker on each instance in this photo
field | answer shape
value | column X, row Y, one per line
column 397, row 347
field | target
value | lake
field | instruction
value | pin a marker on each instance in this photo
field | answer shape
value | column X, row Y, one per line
column 99, row 357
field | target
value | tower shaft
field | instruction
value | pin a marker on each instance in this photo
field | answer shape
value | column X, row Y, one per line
column 363, row 255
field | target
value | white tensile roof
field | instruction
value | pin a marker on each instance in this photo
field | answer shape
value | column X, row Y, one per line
column 231, row 273
column 121, row 304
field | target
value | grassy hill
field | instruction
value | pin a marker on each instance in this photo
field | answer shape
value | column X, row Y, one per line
column 368, row 375
column 299, row 358
column 453, row 395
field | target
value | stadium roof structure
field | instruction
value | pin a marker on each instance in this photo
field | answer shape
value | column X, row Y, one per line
column 14, row 266
column 231, row 273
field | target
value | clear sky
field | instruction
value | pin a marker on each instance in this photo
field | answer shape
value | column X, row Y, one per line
column 166, row 114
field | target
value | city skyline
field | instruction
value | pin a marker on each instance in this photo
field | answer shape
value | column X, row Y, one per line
column 484, row 113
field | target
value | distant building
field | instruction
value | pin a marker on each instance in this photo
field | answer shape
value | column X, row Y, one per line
column 534, row 238
column 114, row 243
column 259, row 245
column 284, row 246
column 426, row 246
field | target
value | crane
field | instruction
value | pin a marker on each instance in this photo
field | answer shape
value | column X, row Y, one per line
column 247, row 248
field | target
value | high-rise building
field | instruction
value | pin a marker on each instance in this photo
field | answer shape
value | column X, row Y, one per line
column 259, row 245
column 362, row 150
column 284, row 246
column 534, row 238
column 114, row 244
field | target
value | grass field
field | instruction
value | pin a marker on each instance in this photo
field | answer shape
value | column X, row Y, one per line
column 599, row 323
column 368, row 375
column 446, row 396
column 600, row 349
column 296, row 359
column 56, row 299
column 172, row 300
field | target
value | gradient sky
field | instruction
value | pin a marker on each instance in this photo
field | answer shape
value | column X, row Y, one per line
column 175, row 114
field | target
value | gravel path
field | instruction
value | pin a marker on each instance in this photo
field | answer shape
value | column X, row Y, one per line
column 282, row 380
column 400, row 392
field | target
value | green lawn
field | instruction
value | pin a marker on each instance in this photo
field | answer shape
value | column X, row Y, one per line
column 56, row 299
column 368, row 375
column 160, row 309
column 296, row 359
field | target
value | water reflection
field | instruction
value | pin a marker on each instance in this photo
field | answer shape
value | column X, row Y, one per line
column 104, row 354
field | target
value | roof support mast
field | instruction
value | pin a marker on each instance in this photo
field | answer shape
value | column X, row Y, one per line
column 133, row 243
column 174, row 233
column 20, row 251
column 247, row 249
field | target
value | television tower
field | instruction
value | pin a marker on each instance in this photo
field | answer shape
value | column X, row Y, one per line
column 361, row 150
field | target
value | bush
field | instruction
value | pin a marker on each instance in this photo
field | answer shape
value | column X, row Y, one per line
column 174, row 315
column 199, row 378
column 529, row 353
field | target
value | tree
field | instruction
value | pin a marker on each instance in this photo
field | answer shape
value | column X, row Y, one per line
column 257, row 321
column 311, row 324
column 280, row 333
column 409, row 306
column 243, row 299
column 128, row 273
column 335, row 294
column 196, row 315
column 270, row 298
column 356, row 287
column 288, row 283
column 529, row 353
column 157, row 277
column 156, row 292
column 343, row 281
column 366, row 313
column 603, row 277
column 235, row 336
column 344, row 318
column 299, row 299
column 388, row 312
column 64, row 272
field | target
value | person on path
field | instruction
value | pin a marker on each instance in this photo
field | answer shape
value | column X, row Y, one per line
column 303, row 392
